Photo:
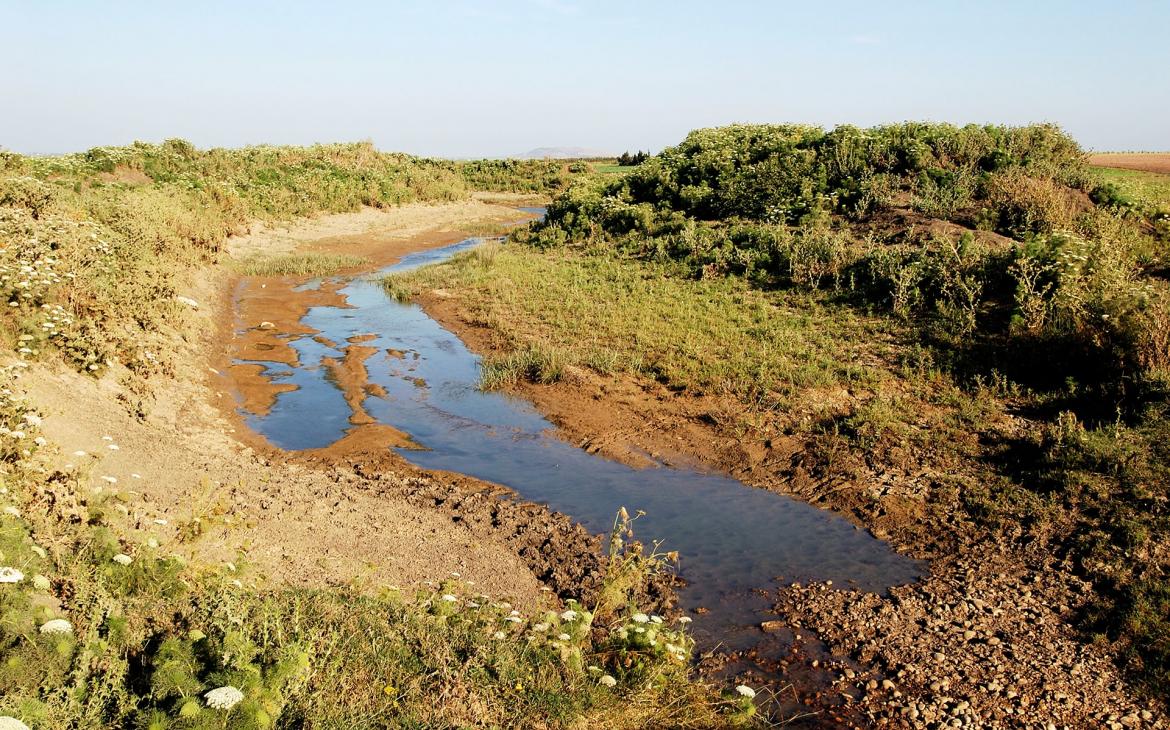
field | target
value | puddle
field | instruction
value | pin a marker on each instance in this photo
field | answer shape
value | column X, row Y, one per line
column 422, row 381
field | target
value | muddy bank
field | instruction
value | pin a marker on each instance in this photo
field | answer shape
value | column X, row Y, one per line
column 641, row 422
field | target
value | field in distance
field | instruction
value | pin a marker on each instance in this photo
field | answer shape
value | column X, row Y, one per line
column 1146, row 161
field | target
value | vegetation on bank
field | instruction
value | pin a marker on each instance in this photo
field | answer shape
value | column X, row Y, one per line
column 77, row 228
column 102, row 625
column 300, row 264
column 996, row 320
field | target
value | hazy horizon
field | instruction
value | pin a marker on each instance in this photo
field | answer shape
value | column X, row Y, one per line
column 492, row 79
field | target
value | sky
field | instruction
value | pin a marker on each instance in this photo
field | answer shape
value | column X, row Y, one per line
column 464, row 78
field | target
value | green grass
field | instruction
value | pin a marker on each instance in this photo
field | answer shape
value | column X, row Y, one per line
column 613, row 315
column 300, row 264
column 611, row 169
column 1148, row 190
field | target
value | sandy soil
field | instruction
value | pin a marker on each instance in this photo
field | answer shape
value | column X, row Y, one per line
column 1147, row 161
column 354, row 514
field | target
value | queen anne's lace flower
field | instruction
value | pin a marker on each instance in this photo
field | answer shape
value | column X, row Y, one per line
column 608, row 681
column 10, row 575
column 569, row 615
column 123, row 559
column 640, row 618
column 449, row 598
column 746, row 691
column 11, row 723
column 57, row 626
column 223, row 698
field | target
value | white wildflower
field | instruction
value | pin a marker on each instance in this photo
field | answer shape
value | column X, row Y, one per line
column 607, row 681
column 40, row 441
column 110, row 479
column 512, row 619
column 223, row 698
column 540, row 627
column 41, row 583
column 32, row 419
column 7, row 722
column 57, row 626
column 40, row 552
column 640, row 618
column 112, row 447
column 563, row 637
column 123, row 559
column 746, row 691
column 107, row 438
column 684, row 619
column 79, row 453
column 569, row 615
column 11, row 511
column 449, row 598
column 10, row 575
column 498, row 635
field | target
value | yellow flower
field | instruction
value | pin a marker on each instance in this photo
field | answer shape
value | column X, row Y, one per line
column 519, row 687
column 390, row 689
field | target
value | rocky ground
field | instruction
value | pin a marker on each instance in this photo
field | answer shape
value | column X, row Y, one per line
column 981, row 642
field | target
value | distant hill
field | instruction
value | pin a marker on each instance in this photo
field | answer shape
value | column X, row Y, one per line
column 562, row 153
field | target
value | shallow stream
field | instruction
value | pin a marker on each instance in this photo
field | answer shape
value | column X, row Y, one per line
column 731, row 538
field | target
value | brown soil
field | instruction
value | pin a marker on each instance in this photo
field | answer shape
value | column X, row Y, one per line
column 1146, row 161
column 353, row 379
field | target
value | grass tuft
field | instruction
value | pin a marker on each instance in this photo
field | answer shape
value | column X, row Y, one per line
column 300, row 264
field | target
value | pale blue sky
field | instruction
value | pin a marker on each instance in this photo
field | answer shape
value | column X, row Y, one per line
column 466, row 78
